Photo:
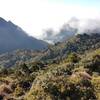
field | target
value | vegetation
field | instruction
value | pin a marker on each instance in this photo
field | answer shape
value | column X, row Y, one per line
column 66, row 71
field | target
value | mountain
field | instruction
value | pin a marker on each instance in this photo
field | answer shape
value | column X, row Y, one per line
column 76, row 77
column 10, row 59
column 65, row 71
column 13, row 37
column 80, row 44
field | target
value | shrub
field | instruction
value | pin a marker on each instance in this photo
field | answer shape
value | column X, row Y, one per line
column 18, row 91
column 94, row 64
column 73, row 57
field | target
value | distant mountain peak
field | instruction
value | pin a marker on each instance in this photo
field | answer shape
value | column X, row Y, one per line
column 3, row 22
column 13, row 37
column 1, row 19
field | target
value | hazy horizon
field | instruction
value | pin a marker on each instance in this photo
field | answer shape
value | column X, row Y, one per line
column 35, row 16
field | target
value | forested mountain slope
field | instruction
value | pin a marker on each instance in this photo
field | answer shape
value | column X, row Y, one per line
column 78, row 44
column 65, row 71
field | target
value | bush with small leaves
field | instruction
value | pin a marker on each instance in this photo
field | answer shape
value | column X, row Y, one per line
column 73, row 57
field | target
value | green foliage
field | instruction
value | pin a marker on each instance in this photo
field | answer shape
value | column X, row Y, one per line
column 18, row 91
column 73, row 57
column 66, row 71
column 96, row 83
column 94, row 64
column 4, row 71
column 24, row 68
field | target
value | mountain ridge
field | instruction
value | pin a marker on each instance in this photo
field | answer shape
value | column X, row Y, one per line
column 65, row 71
column 78, row 44
column 12, row 37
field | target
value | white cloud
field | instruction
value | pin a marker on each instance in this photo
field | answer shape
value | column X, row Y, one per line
column 35, row 15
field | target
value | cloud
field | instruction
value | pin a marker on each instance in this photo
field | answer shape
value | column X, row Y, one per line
column 35, row 15
column 72, row 27
column 49, row 35
column 89, row 26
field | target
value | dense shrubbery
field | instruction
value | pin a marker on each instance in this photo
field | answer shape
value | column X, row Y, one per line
column 66, row 71
column 70, row 79
column 94, row 64
column 73, row 57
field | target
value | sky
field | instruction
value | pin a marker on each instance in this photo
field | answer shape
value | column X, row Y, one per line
column 35, row 16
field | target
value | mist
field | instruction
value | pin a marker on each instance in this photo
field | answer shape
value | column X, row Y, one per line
column 70, row 28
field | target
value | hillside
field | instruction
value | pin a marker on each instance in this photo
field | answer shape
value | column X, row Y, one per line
column 70, row 79
column 78, row 44
column 66, row 71
column 10, row 59
column 12, row 37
